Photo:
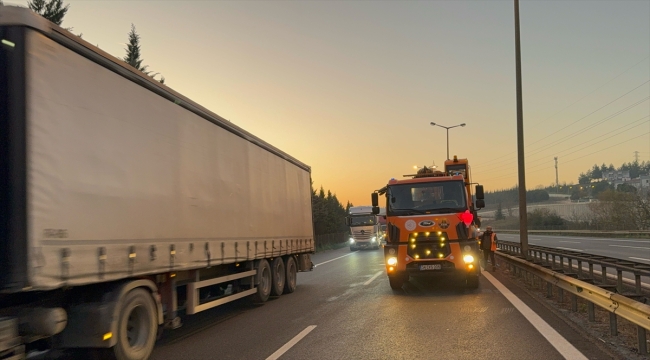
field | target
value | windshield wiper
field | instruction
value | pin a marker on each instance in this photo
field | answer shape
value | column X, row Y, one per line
column 439, row 210
column 417, row 211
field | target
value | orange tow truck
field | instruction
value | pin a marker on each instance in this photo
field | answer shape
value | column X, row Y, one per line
column 432, row 225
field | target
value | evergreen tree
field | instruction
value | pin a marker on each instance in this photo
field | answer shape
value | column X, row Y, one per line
column 133, row 56
column 52, row 10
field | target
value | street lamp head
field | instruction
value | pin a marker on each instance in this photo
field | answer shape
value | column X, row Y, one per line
column 432, row 123
column 463, row 124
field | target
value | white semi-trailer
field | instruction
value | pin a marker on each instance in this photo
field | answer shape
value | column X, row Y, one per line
column 121, row 199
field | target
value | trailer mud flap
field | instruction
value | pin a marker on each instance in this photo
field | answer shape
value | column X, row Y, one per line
column 304, row 262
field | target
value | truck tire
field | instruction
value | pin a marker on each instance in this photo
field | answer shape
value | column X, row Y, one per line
column 396, row 281
column 278, row 275
column 137, row 326
column 291, row 278
column 472, row 282
column 264, row 280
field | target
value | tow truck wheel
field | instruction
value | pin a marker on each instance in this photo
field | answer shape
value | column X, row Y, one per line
column 472, row 282
column 396, row 282
column 278, row 275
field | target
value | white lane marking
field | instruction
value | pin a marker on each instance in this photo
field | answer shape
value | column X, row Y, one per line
column 291, row 343
column 570, row 249
column 374, row 277
column 325, row 262
column 554, row 338
column 636, row 258
column 631, row 247
column 572, row 242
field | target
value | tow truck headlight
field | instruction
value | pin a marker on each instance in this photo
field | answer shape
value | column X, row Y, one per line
column 468, row 259
column 351, row 241
column 392, row 261
column 374, row 238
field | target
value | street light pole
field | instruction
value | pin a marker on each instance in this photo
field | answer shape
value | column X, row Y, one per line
column 523, row 216
column 447, row 128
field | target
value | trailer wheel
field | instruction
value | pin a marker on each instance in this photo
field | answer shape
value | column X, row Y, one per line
column 292, row 271
column 278, row 275
column 264, row 279
column 137, row 326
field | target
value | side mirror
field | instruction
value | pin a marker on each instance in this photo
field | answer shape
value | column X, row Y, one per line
column 375, row 210
column 477, row 220
column 479, row 193
column 375, row 199
column 480, row 204
column 347, row 221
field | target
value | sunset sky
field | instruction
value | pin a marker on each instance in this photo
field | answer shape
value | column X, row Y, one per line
column 350, row 87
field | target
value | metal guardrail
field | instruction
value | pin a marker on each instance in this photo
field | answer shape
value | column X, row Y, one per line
column 548, row 257
column 603, row 295
column 643, row 234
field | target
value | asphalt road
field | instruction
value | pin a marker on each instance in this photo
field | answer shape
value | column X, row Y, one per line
column 637, row 250
column 345, row 309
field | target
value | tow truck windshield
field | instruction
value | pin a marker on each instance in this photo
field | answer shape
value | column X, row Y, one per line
column 426, row 198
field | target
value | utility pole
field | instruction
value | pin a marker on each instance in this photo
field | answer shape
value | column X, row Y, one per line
column 557, row 182
column 523, row 215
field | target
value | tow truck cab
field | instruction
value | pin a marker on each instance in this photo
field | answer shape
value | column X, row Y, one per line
column 432, row 225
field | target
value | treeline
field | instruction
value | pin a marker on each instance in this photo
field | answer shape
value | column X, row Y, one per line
column 328, row 213
column 55, row 11
column 596, row 172
column 510, row 197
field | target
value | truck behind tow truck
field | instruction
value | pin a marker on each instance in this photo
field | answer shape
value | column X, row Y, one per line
column 432, row 225
column 364, row 228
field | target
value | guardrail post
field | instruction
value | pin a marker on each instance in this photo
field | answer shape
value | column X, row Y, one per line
column 560, row 294
column 619, row 281
column 591, row 271
column 603, row 271
column 553, row 261
column 579, row 268
column 547, row 258
column 637, row 281
column 561, row 262
column 549, row 290
column 613, row 324
column 643, row 344
column 570, row 264
column 591, row 310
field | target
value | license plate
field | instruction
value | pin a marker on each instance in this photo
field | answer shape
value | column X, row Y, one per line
column 431, row 267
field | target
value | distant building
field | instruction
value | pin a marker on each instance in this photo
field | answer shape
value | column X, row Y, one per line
column 616, row 177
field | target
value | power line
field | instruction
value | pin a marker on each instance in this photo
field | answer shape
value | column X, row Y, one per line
column 598, row 88
column 501, row 157
column 568, row 161
column 593, row 112
column 579, row 131
column 607, row 148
